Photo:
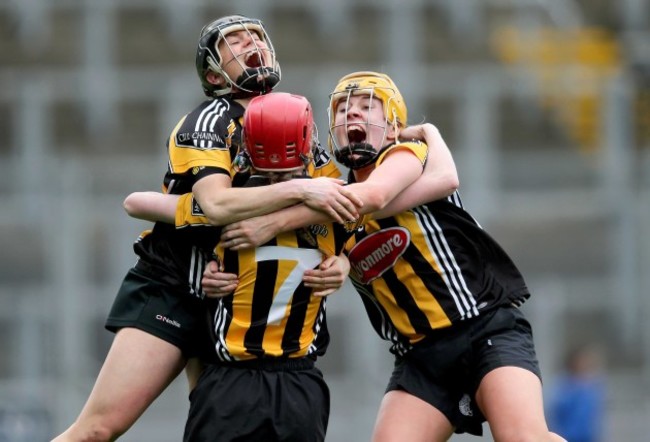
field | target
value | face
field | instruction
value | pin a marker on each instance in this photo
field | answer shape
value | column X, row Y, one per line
column 243, row 49
column 280, row 177
column 361, row 119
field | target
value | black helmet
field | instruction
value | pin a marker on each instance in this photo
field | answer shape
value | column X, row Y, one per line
column 208, row 58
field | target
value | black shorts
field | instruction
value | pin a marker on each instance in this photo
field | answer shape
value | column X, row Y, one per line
column 284, row 401
column 169, row 313
column 446, row 369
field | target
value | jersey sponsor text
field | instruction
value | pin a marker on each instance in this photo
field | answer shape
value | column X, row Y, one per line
column 378, row 252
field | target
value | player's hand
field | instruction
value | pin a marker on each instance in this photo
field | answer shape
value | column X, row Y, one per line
column 216, row 283
column 416, row 132
column 330, row 196
column 329, row 276
column 248, row 233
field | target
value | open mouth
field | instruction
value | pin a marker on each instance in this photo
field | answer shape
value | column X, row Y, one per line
column 254, row 60
column 356, row 134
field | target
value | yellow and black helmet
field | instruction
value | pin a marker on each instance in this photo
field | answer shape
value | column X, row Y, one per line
column 375, row 84
column 356, row 155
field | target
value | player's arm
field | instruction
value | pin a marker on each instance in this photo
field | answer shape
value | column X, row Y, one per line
column 151, row 206
column 223, row 204
column 177, row 209
column 399, row 169
column 321, row 194
column 439, row 179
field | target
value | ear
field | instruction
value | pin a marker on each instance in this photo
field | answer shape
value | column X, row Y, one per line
column 214, row 78
column 392, row 132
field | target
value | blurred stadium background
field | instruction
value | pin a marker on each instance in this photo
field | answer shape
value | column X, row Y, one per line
column 544, row 104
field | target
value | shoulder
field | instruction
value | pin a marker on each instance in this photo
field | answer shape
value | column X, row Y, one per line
column 417, row 148
column 209, row 109
column 209, row 125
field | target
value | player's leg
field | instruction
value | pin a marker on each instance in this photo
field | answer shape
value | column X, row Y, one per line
column 138, row 367
column 403, row 416
column 510, row 389
column 511, row 400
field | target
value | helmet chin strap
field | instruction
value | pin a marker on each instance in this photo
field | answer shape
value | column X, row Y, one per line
column 249, row 84
column 364, row 152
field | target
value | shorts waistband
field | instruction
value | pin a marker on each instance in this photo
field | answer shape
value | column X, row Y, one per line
column 271, row 364
column 457, row 328
column 158, row 274
column 472, row 325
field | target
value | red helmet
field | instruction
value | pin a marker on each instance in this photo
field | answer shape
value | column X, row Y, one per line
column 278, row 132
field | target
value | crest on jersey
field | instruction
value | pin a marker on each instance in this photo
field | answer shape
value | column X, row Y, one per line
column 375, row 254
column 196, row 209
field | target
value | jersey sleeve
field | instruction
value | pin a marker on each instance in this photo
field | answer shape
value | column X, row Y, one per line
column 419, row 149
column 189, row 213
column 202, row 139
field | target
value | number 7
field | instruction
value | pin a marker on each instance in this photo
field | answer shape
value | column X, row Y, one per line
column 304, row 258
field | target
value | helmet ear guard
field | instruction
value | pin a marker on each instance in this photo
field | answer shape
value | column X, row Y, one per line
column 209, row 59
column 278, row 132
column 356, row 155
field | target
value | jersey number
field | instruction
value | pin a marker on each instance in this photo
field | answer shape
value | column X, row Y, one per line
column 304, row 258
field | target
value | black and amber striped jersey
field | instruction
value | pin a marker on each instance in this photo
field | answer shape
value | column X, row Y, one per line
column 204, row 142
column 428, row 268
column 272, row 313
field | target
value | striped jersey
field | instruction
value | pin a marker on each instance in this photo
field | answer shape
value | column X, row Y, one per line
column 272, row 313
column 428, row 268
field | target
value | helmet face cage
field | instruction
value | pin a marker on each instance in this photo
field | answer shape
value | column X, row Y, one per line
column 356, row 155
column 278, row 132
column 209, row 59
